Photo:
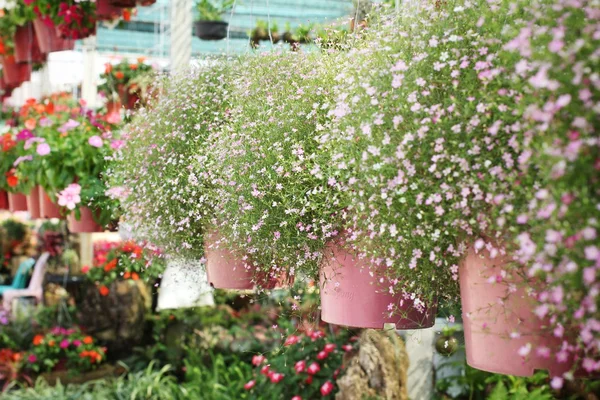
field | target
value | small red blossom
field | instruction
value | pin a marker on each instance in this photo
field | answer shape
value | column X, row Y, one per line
column 276, row 377
column 322, row 355
column 250, row 384
column 258, row 359
column 300, row 366
column 327, row 388
column 291, row 340
column 313, row 368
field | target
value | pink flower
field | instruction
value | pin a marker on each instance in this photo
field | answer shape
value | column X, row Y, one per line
column 69, row 197
column 258, row 359
column 556, row 383
column 329, row 347
column 32, row 358
column 296, row 398
column 250, row 385
column 277, row 377
column 64, row 344
column 327, row 388
column 43, row 149
column 265, row 370
column 69, row 125
column 300, row 366
column 313, row 368
column 95, row 141
column 322, row 355
column 117, row 144
column 291, row 340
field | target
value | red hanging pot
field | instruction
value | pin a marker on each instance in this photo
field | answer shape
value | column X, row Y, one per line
column 3, row 200
column 14, row 73
column 351, row 296
column 105, row 11
column 48, row 38
column 85, row 224
column 33, row 203
column 48, row 208
column 26, row 45
column 17, row 202
column 499, row 322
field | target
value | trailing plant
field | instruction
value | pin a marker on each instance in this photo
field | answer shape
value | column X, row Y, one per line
column 273, row 207
column 163, row 171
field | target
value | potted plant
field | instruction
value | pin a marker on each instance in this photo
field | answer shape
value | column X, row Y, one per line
column 210, row 25
column 272, row 199
column 8, row 181
column 127, row 80
column 264, row 32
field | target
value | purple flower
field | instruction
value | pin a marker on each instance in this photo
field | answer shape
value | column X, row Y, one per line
column 24, row 135
column 43, row 149
column 76, row 343
column 69, row 125
column 95, row 141
column 45, row 121
column 21, row 159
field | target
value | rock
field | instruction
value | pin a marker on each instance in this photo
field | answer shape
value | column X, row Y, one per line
column 378, row 370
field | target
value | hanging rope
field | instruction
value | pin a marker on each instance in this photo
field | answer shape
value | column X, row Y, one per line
column 269, row 23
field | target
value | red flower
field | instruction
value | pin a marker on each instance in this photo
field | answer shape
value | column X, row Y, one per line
column 104, row 290
column 322, row 355
column 300, row 366
column 108, row 68
column 347, row 347
column 119, row 75
column 314, row 335
column 276, row 377
column 112, row 264
column 296, row 398
column 329, row 347
column 258, row 359
column 313, row 368
column 309, row 380
column 326, row 388
column 12, row 180
column 85, row 269
column 292, row 339
column 250, row 385
column 265, row 370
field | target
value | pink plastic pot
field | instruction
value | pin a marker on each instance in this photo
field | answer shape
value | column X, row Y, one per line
column 3, row 200
column 48, row 39
column 48, row 209
column 86, row 224
column 224, row 269
column 105, row 11
column 491, row 315
column 17, row 202
column 15, row 73
column 33, row 203
column 26, row 45
column 350, row 296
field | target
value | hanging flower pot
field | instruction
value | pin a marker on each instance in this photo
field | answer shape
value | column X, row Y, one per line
column 15, row 74
column 3, row 200
column 351, row 296
column 33, row 203
column 17, row 202
column 105, row 11
column 146, row 3
column 26, row 45
column 113, row 106
column 48, row 208
column 85, row 224
column 502, row 333
column 211, row 30
column 48, row 37
column 225, row 270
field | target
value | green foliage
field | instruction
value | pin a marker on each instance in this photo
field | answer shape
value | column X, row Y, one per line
column 213, row 10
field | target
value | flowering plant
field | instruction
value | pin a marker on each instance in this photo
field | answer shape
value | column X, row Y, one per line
column 464, row 127
column 273, row 197
column 126, row 261
column 306, row 368
column 74, row 19
column 129, row 80
column 63, row 348
column 163, row 174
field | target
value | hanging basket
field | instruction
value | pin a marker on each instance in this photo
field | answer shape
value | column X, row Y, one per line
column 17, row 202
column 33, row 203
column 350, row 296
column 85, row 224
column 497, row 323
column 48, row 208
column 3, row 200
column 105, row 11
column 15, row 74
column 211, row 30
column 145, row 3
column 49, row 39
column 26, row 45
